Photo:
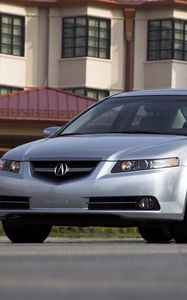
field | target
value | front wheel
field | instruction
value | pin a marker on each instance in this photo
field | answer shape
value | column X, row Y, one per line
column 155, row 234
column 26, row 233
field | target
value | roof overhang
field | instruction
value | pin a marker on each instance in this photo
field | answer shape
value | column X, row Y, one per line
column 120, row 3
column 42, row 104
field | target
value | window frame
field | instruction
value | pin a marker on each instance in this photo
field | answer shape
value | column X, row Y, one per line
column 173, row 50
column 86, row 47
column 86, row 91
column 12, row 35
column 10, row 89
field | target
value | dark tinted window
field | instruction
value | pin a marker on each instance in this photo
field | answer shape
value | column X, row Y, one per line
column 12, row 34
column 8, row 89
column 86, row 36
column 167, row 39
column 88, row 92
column 149, row 114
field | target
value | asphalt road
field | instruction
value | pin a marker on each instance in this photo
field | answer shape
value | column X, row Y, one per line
column 69, row 269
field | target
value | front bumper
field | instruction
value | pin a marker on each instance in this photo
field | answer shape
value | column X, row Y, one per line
column 167, row 185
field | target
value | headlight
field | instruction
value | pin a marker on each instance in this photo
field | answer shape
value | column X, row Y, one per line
column 10, row 165
column 145, row 164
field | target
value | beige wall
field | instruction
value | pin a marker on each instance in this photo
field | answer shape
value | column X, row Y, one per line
column 179, row 74
column 110, row 72
column 30, row 70
column 118, row 52
column 12, row 9
column 179, row 68
column 43, row 65
column 36, row 46
column 72, row 72
column 165, row 74
column 140, row 49
column 43, row 42
column 157, row 74
column 150, row 74
column 55, row 39
column 98, row 73
column 180, row 14
column 94, row 72
column 12, row 69
column 69, row 72
column 31, row 47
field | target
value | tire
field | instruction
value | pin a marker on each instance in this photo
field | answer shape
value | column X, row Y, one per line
column 179, row 232
column 155, row 234
column 26, row 233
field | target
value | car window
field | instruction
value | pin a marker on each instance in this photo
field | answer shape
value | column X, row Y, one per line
column 155, row 114
column 179, row 120
column 97, row 120
column 102, row 122
column 141, row 113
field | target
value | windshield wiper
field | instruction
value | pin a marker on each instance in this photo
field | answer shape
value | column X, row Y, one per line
column 144, row 132
column 72, row 133
column 151, row 132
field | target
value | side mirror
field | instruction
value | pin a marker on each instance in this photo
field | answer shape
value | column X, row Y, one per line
column 51, row 130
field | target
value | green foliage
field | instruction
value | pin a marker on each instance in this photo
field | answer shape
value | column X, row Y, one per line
column 90, row 232
column 1, row 230
column 94, row 232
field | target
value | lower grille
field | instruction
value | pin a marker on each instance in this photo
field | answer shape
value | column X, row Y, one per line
column 123, row 203
column 72, row 169
column 14, row 202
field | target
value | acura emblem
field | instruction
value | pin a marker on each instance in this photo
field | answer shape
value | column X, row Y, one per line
column 61, row 170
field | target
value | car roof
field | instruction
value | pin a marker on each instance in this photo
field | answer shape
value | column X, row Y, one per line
column 156, row 92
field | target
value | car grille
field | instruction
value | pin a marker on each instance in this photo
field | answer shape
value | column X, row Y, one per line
column 14, row 202
column 74, row 169
column 121, row 203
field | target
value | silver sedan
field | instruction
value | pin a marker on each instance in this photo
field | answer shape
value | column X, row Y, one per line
column 122, row 162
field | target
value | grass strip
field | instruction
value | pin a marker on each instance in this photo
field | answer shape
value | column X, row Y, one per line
column 94, row 232
column 90, row 232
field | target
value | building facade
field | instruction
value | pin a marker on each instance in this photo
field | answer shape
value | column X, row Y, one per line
column 93, row 48
column 24, row 115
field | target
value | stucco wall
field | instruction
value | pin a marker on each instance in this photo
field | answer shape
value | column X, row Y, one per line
column 158, row 74
column 30, row 70
column 179, row 74
column 36, row 46
column 94, row 72
column 43, row 64
column 151, row 74
column 12, row 68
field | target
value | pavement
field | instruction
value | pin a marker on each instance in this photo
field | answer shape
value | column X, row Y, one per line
column 93, row 269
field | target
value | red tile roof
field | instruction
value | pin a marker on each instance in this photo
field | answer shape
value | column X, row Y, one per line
column 42, row 104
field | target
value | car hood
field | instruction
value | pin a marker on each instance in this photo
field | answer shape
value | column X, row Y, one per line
column 99, row 146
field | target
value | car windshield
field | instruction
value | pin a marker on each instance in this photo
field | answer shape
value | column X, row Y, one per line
column 148, row 114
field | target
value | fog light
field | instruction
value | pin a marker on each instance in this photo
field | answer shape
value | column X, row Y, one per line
column 147, row 203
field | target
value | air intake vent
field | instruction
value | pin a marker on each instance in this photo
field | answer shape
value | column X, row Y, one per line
column 124, row 203
column 14, row 202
